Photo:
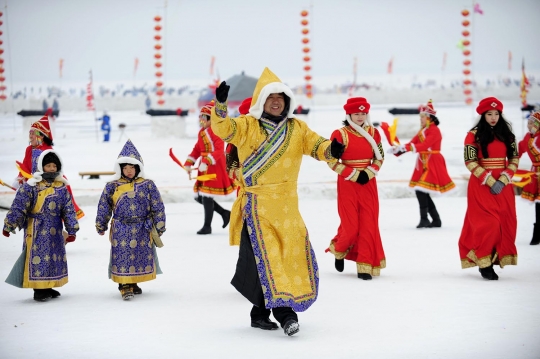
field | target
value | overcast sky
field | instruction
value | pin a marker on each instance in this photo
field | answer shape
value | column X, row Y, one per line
column 107, row 35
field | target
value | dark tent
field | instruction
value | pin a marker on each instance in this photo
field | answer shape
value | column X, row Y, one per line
column 242, row 87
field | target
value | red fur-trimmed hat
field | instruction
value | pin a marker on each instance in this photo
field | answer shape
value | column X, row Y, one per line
column 207, row 109
column 43, row 126
column 356, row 105
column 244, row 107
column 489, row 103
column 428, row 108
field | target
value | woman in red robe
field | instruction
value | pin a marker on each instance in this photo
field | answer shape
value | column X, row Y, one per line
column 531, row 192
column 489, row 230
column 358, row 238
column 430, row 176
column 211, row 149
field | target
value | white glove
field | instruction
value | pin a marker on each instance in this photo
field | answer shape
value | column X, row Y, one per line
column 203, row 167
column 188, row 168
column 17, row 182
column 397, row 149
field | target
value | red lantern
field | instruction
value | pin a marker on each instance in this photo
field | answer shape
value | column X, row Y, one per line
column 465, row 23
column 159, row 84
column 1, row 42
column 307, row 58
column 466, row 42
column 467, row 92
column 2, row 79
column 305, row 31
column 157, row 37
column 305, row 40
column 304, row 13
column 309, row 87
column 467, row 72
column 157, row 46
column 465, row 33
column 2, row 70
column 465, row 13
column 1, row 33
column 468, row 101
column 157, row 55
column 1, row 61
column 1, row 51
column 3, row 97
column 157, row 28
column 161, row 101
column 309, row 94
column 1, row 14
column 1, row 23
column 3, row 88
column 158, row 64
column 304, row 22
column 308, row 77
column 159, row 92
column 467, row 82
column 157, row 18
column 159, row 74
column 466, row 62
column 307, row 67
column 305, row 49
column 466, row 52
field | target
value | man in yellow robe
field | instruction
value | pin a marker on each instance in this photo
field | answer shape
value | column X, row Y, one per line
column 277, row 269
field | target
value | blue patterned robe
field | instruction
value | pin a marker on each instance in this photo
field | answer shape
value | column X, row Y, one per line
column 136, row 207
column 40, row 210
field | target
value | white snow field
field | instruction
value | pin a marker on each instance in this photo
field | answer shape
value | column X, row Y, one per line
column 422, row 306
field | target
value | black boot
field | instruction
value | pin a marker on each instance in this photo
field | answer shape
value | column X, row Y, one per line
column 208, row 204
column 365, row 276
column 488, row 273
column 424, row 205
column 536, row 236
column 224, row 213
column 54, row 293
column 265, row 324
column 42, row 295
column 432, row 210
column 339, row 264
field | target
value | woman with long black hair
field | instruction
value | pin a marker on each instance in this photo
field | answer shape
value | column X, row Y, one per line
column 489, row 230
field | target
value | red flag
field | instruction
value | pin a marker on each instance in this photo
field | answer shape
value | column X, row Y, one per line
column 524, row 85
column 136, row 66
column 212, row 61
column 509, row 60
column 390, row 65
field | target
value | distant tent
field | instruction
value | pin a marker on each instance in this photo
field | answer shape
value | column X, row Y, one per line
column 242, row 87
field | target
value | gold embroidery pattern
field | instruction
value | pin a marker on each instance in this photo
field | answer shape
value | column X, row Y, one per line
column 338, row 255
column 470, row 153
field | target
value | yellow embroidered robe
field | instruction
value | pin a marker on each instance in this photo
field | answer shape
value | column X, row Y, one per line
column 270, row 156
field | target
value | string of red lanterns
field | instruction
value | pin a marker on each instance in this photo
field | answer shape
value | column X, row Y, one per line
column 3, row 87
column 159, row 74
column 466, row 63
column 305, row 41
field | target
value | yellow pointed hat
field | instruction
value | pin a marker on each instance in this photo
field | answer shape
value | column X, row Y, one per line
column 268, row 84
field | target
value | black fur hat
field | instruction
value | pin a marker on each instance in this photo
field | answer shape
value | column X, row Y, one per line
column 51, row 157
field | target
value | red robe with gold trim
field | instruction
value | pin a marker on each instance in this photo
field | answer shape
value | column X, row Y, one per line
column 211, row 149
column 358, row 238
column 531, row 145
column 430, row 174
column 489, row 230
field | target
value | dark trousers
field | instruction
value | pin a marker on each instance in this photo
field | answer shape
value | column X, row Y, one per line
column 246, row 281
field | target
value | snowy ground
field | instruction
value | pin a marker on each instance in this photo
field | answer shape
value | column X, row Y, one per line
column 422, row 306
